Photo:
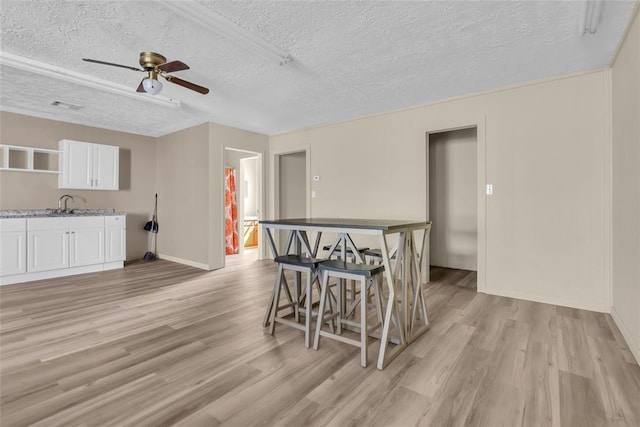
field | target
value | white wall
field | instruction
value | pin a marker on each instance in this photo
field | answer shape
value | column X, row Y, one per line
column 183, row 196
column 190, row 178
column 221, row 137
column 626, row 188
column 453, row 203
column 545, row 153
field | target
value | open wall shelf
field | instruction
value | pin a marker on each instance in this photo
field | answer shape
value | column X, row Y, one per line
column 28, row 159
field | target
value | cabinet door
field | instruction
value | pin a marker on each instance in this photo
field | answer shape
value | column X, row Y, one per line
column 116, row 249
column 86, row 246
column 48, row 250
column 76, row 168
column 106, row 167
column 13, row 253
column 115, row 239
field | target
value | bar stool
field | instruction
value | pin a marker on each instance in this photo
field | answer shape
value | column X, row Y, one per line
column 301, row 264
column 369, row 276
column 337, row 252
column 374, row 256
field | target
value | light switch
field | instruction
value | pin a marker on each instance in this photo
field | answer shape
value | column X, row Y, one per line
column 489, row 189
column 313, row 194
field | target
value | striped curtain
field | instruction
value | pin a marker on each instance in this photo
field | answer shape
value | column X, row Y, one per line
column 230, row 212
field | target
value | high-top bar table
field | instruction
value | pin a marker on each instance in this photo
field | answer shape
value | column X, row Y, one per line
column 407, row 311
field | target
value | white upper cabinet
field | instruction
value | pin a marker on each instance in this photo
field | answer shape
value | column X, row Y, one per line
column 106, row 166
column 76, row 165
column 88, row 166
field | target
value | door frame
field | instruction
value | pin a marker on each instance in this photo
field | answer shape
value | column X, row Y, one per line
column 481, row 182
column 240, row 195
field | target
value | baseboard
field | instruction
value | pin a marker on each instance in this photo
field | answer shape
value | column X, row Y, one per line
column 52, row 274
column 113, row 265
column 548, row 300
column 628, row 337
column 184, row 261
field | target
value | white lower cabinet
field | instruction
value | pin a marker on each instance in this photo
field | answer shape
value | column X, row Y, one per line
column 48, row 250
column 65, row 242
column 46, row 247
column 13, row 246
column 86, row 246
column 116, row 239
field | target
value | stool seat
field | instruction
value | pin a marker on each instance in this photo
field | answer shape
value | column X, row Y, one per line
column 376, row 252
column 365, row 270
column 299, row 260
column 338, row 249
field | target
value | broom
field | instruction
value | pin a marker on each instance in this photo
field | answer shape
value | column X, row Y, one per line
column 153, row 227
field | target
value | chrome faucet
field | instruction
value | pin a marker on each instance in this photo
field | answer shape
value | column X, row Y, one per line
column 66, row 198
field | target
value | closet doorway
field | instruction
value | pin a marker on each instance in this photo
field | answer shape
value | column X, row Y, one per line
column 452, row 202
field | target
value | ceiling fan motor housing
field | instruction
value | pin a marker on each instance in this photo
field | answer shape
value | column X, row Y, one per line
column 150, row 60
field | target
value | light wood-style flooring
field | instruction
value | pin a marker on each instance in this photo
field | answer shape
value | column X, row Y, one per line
column 159, row 343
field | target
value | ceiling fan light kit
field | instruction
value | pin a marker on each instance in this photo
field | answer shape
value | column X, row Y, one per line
column 156, row 65
column 151, row 86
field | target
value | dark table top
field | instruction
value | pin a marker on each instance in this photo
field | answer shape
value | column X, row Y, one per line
column 352, row 223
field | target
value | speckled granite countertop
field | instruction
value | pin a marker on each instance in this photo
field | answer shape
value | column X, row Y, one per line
column 43, row 213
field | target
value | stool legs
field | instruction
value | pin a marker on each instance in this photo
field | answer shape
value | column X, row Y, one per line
column 364, row 328
column 302, row 300
column 307, row 317
column 323, row 300
column 276, row 299
column 366, row 283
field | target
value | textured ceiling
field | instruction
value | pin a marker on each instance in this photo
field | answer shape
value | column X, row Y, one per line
column 349, row 58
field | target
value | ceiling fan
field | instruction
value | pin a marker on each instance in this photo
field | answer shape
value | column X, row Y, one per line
column 156, row 65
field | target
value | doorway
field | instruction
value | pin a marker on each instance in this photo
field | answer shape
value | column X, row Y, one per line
column 452, row 199
column 242, row 201
column 291, row 188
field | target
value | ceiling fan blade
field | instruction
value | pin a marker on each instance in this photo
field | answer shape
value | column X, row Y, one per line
column 188, row 85
column 140, row 87
column 172, row 66
column 112, row 64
